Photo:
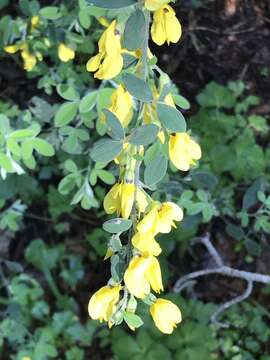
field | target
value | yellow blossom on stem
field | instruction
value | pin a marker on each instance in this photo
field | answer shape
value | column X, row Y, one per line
column 160, row 219
column 108, row 62
column 183, row 151
column 121, row 197
column 142, row 274
column 102, row 304
column 168, row 213
column 149, row 223
column 146, row 243
column 65, row 53
column 165, row 27
column 121, row 105
column 166, row 315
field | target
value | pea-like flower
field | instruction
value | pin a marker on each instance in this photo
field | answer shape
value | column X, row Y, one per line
column 102, row 304
column 142, row 274
column 168, row 213
column 121, row 197
column 29, row 59
column 165, row 27
column 183, row 151
column 108, row 62
column 166, row 315
column 146, row 244
column 121, row 105
column 65, row 53
column 160, row 219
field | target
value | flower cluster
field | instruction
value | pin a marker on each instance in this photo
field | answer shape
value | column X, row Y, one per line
column 26, row 46
column 141, row 272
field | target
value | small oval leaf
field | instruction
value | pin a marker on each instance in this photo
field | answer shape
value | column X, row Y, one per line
column 117, row 225
column 88, row 102
column 171, row 118
column 144, row 135
column 65, row 114
column 105, row 150
column 137, row 87
column 155, row 170
column 115, row 128
column 135, row 31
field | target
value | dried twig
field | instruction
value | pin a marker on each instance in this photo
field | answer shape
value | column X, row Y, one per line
column 221, row 269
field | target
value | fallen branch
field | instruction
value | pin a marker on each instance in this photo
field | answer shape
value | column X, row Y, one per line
column 221, row 269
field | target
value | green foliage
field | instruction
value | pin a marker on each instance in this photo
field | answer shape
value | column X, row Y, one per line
column 53, row 169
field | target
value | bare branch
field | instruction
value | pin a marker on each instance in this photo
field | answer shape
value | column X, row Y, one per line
column 230, row 303
column 221, row 269
column 205, row 240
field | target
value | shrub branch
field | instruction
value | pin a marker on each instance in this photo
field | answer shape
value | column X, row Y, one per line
column 221, row 269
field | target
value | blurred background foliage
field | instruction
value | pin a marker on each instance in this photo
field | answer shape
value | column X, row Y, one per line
column 51, row 240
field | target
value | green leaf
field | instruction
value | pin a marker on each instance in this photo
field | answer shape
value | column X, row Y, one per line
column 84, row 19
column 155, row 170
column 20, row 134
column 137, row 87
column 182, row 102
column 117, row 267
column 6, row 163
column 27, row 149
column 215, row 95
column 65, row 114
column 88, row 102
column 50, row 12
column 115, row 128
column 135, row 31
column 144, row 134
column 4, row 124
column 117, row 225
column 13, row 146
column 171, row 118
column 105, row 150
column 43, row 147
column 67, row 92
column 133, row 320
column 106, row 176
column 112, row 4
column 67, row 184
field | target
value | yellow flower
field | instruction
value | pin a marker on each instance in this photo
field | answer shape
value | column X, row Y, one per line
column 165, row 315
column 127, row 199
column 183, row 151
column 26, row 358
column 34, row 21
column 154, row 5
column 160, row 219
column 142, row 274
column 65, row 53
column 103, row 303
column 149, row 223
column 121, row 105
column 121, row 197
column 12, row 49
column 29, row 60
column 146, row 243
column 168, row 213
column 108, row 62
column 165, row 26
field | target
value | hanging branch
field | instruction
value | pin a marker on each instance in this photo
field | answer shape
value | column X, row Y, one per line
column 221, row 269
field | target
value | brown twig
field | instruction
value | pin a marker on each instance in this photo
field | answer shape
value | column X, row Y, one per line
column 221, row 269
